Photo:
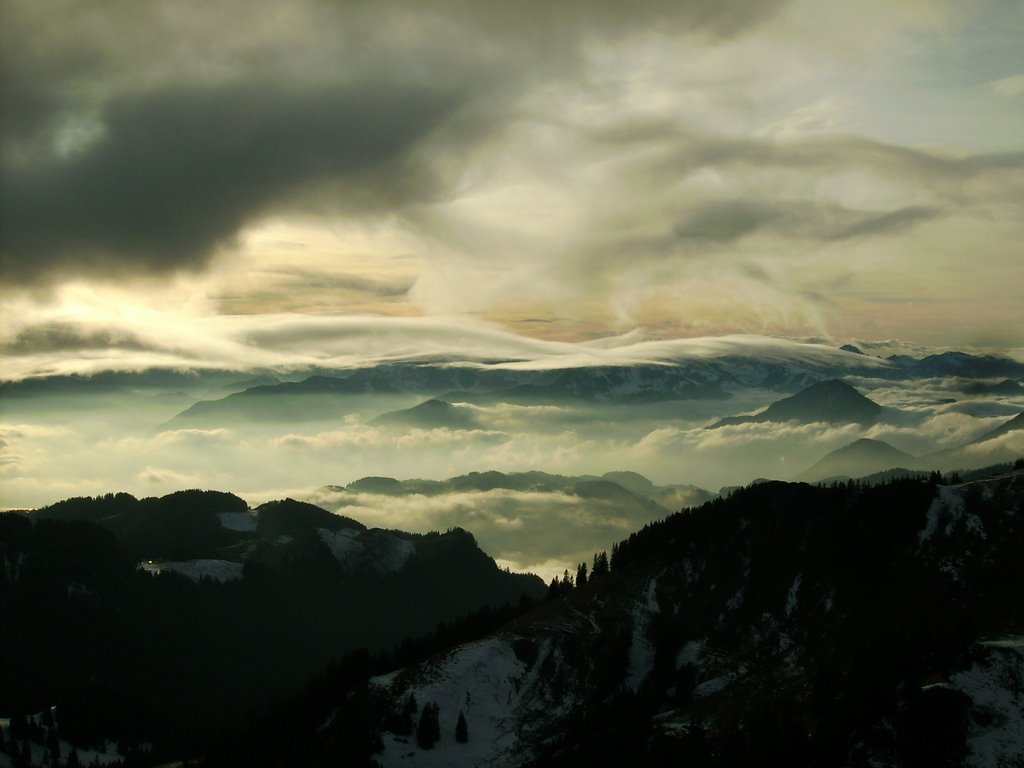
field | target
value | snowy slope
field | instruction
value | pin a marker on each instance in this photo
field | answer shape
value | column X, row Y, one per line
column 733, row 622
column 491, row 687
column 995, row 685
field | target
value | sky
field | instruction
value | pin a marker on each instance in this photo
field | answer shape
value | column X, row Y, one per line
column 200, row 183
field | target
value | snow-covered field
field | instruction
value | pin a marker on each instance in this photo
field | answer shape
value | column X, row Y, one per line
column 244, row 522
column 42, row 755
column 995, row 684
column 383, row 551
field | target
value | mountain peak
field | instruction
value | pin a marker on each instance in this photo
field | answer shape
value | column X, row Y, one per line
column 832, row 401
column 430, row 414
column 861, row 457
column 1017, row 422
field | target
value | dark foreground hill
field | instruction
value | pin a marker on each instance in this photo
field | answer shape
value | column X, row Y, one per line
column 230, row 610
column 785, row 625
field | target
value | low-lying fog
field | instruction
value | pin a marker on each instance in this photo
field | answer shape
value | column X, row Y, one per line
column 87, row 445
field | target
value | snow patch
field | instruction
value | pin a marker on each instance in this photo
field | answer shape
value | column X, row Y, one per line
column 731, row 605
column 715, row 684
column 218, row 570
column 976, row 526
column 387, row 552
column 243, row 522
column 376, row 549
column 41, row 754
column 487, row 683
column 995, row 684
column 385, row 680
column 641, row 651
column 791, row 596
column 12, row 565
column 343, row 544
column 947, row 503
column 690, row 653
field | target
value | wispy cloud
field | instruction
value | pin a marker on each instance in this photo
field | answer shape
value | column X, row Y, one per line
column 365, row 437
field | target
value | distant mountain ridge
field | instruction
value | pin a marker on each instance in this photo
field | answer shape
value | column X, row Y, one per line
column 858, row 459
column 430, row 414
column 628, row 488
column 702, row 378
column 1005, row 388
column 1014, row 424
column 957, row 364
column 317, row 394
column 785, row 368
column 867, row 456
column 833, row 401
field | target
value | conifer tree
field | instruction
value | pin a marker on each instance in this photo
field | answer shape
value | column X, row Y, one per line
column 554, row 589
column 428, row 732
column 461, row 729
column 581, row 575
column 566, row 582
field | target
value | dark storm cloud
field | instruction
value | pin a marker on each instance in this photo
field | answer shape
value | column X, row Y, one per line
column 195, row 119
column 180, row 170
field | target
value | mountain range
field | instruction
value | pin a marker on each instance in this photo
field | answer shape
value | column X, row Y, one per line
column 631, row 491
column 187, row 612
column 334, row 394
column 786, row 625
column 868, row 456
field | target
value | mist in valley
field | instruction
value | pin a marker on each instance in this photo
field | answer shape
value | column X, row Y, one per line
column 153, row 440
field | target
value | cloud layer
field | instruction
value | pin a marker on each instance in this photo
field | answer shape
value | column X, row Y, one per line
column 565, row 170
column 140, row 140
